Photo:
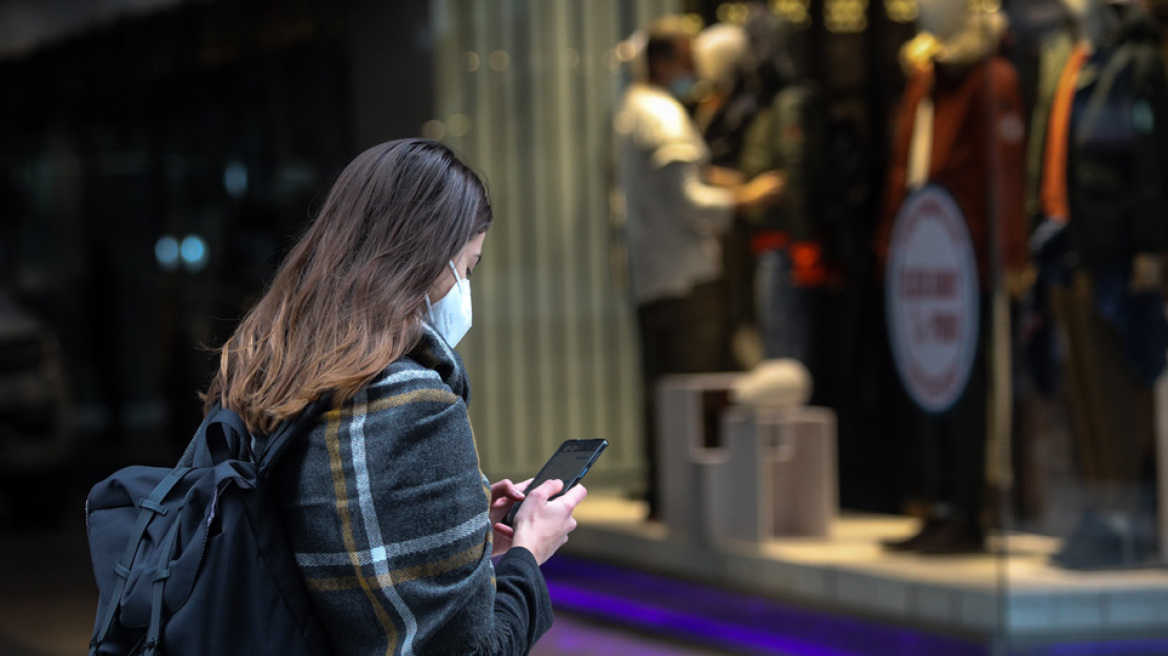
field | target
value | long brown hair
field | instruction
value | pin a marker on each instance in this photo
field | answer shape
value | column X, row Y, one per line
column 349, row 298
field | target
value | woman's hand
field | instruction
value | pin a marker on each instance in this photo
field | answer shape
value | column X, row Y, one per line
column 504, row 494
column 542, row 526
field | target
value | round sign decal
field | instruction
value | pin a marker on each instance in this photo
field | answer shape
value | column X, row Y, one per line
column 931, row 297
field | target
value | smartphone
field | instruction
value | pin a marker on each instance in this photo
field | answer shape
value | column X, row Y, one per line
column 569, row 464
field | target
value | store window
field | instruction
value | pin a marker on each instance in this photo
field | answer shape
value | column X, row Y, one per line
column 974, row 301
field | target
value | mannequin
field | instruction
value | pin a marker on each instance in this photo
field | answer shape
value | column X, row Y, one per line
column 787, row 241
column 720, row 54
column 960, row 126
column 726, row 108
column 1100, row 184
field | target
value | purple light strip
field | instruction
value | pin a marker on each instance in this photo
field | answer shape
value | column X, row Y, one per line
column 718, row 617
column 682, row 625
column 758, row 625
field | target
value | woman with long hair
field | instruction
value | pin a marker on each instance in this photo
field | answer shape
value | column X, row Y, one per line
column 392, row 522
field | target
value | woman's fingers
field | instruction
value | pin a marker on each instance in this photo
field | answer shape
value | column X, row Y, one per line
column 543, row 523
column 574, row 496
column 515, row 492
column 505, row 489
column 547, row 490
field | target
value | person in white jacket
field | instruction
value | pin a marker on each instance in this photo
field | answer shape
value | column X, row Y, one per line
column 677, row 207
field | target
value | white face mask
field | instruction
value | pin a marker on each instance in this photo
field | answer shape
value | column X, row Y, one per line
column 451, row 315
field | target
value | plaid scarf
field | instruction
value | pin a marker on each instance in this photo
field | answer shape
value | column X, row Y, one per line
column 386, row 510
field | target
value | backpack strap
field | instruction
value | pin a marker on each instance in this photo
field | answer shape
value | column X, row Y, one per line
column 148, row 508
column 270, row 451
column 154, row 633
column 222, row 436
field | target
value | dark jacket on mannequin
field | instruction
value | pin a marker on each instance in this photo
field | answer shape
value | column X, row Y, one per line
column 1117, row 161
column 789, row 134
column 1117, row 179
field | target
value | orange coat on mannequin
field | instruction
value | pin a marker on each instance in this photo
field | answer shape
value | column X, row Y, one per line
column 978, row 152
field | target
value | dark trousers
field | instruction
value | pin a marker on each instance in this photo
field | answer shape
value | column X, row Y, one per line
column 1111, row 410
column 683, row 335
column 953, row 445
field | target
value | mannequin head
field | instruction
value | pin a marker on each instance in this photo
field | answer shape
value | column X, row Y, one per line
column 1091, row 17
column 944, row 19
column 719, row 51
column 1081, row 10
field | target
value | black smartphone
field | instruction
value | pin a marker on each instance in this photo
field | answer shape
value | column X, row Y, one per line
column 569, row 464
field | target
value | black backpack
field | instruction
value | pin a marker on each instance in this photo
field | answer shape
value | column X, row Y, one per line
column 194, row 560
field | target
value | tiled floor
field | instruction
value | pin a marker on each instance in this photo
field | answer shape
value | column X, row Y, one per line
column 574, row 636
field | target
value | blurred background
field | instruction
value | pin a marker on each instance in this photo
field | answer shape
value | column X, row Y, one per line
column 157, row 158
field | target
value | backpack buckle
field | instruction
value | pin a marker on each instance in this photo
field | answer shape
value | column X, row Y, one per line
column 152, row 506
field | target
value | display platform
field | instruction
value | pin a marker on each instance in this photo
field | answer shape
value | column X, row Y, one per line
column 1013, row 595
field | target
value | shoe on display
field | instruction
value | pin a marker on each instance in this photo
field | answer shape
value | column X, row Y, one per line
column 958, row 535
column 1105, row 542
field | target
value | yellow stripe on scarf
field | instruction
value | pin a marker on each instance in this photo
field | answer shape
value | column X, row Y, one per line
column 340, row 489
column 405, row 398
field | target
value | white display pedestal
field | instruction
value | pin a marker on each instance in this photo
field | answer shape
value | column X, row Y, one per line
column 689, row 408
column 738, row 472
column 778, row 477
